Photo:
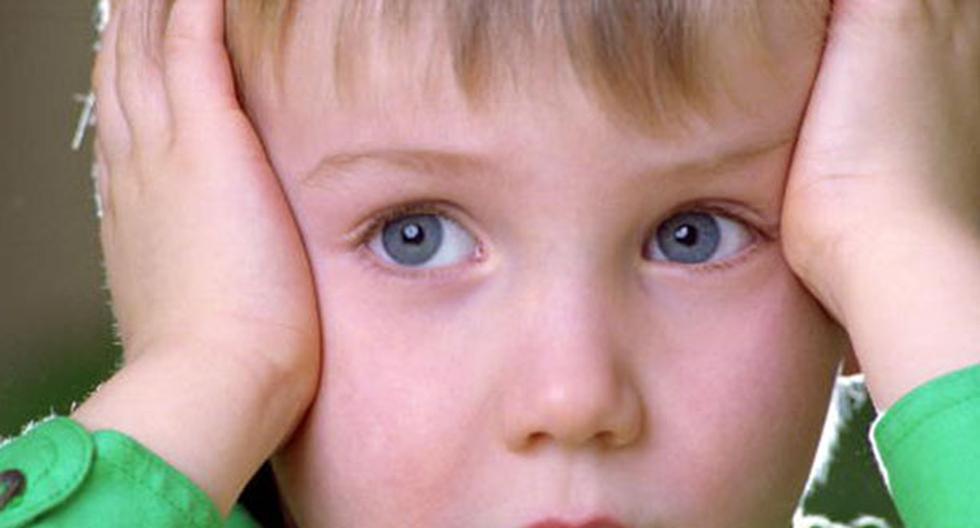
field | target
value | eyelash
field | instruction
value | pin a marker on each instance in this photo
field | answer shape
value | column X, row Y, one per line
column 759, row 235
column 363, row 234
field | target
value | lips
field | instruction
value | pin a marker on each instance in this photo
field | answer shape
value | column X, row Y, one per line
column 596, row 522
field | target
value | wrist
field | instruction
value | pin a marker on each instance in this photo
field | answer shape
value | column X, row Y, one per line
column 210, row 416
column 908, row 299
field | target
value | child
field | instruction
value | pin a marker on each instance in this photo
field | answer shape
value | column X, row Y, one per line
column 547, row 253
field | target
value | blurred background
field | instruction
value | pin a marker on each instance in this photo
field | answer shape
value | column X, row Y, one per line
column 55, row 323
column 56, row 336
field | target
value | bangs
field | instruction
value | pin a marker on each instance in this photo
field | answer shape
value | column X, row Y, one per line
column 646, row 62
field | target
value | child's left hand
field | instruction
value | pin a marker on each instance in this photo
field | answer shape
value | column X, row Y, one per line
column 881, row 218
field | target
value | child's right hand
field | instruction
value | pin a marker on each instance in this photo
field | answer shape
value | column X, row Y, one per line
column 209, row 278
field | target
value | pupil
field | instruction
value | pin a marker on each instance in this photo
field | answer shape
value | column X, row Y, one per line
column 413, row 234
column 413, row 240
column 686, row 234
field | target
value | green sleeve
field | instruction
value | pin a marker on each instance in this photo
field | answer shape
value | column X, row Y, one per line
column 57, row 474
column 928, row 445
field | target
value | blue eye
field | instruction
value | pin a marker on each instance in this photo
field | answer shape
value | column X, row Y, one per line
column 423, row 241
column 698, row 237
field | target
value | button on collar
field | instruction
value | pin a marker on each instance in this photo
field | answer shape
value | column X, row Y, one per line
column 12, row 484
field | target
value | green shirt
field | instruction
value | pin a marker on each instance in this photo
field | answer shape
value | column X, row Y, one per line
column 74, row 478
column 928, row 446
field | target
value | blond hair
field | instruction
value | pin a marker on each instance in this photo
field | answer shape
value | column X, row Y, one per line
column 643, row 59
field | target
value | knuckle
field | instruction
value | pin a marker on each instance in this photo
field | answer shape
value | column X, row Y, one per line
column 177, row 44
column 904, row 8
column 103, row 73
column 128, row 83
column 899, row 14
column 147, row 154
column 99, row 73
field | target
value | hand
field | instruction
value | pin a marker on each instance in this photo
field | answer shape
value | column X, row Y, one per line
column 210, row 282
column 882, row 211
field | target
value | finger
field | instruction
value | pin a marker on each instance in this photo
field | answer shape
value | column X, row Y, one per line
column 197, row 68
column 140, row 79
column 112, row 128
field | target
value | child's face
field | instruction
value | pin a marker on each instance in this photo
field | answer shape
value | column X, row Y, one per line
column 545, row 362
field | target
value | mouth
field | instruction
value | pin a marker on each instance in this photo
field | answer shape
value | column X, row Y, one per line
column 592, row 522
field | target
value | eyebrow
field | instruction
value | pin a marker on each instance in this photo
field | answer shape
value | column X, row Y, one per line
column 421, row 161
column 452, row 163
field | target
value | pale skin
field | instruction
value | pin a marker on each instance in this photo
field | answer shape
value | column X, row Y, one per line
column 542, row 378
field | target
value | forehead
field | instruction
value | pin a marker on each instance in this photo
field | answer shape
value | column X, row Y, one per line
column 393, row 67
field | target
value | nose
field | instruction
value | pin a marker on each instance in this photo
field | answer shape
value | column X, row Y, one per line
column 572, row 386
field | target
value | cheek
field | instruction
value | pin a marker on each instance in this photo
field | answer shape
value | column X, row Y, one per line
column 735, row 373
column 397, row 414
column 741, row 400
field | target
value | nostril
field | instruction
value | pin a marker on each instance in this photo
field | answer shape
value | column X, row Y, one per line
column 536, row 438
column 607, row 439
